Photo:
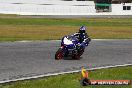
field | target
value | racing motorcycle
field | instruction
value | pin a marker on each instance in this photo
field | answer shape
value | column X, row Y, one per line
column 70, row 46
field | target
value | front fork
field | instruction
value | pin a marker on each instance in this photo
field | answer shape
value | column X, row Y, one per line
column 65, row 51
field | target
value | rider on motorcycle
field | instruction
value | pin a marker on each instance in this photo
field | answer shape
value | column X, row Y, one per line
column 73, row 45
column 82, row 37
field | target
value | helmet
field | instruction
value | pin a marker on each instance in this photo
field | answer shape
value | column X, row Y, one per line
column 82, row 29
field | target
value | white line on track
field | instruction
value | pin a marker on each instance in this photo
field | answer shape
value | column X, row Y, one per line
column 53, row 74
column 27, row 41
column 24, row 41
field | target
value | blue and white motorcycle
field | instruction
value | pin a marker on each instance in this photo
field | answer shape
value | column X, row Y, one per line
column 70, row 46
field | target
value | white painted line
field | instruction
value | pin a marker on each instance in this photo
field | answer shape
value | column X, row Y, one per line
column 24, row 41
column 110, row 39
column 53, row 74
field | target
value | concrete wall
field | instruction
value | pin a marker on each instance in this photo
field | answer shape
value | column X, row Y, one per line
column 52, row 7
column 118, row 9
column 47, row 7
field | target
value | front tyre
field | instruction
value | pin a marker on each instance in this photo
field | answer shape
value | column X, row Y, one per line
column 59, row 54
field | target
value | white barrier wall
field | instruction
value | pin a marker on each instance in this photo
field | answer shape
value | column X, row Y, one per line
column 52, row 7
column 52, row 2
column 47, row 7
column 118, row 9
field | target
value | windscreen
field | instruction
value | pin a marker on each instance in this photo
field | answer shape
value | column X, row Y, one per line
column 71, row 38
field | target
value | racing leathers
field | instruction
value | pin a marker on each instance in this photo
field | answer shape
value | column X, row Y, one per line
column 83, row 39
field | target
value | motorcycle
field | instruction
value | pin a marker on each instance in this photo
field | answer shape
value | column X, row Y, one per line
column 70, row 46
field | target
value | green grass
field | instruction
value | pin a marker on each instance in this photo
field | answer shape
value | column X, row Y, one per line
column 16, row 28
column 71, row 80
column 66, row 22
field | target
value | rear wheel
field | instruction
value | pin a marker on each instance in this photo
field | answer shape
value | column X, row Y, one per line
column 81, row 52
column 59, row 54
column 75, row 56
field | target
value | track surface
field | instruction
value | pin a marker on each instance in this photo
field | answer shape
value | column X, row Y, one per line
column 26, row 59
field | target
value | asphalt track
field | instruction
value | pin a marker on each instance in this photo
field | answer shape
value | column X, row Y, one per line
column 27, row 59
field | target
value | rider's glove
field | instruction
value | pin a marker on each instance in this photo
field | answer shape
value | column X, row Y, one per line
column 82, row 45
column 78, row 46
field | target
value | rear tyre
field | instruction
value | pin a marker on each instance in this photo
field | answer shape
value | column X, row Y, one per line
column 59, row 54
column 81, row 52
column 76, row 56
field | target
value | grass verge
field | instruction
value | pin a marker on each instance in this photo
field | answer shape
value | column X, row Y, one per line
column 71, row 80
column 15, row 28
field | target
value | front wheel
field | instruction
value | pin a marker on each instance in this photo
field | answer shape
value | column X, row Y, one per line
column 59, row 54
